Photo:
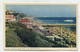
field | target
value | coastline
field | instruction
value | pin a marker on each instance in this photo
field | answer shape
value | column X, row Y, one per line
column 60, row 24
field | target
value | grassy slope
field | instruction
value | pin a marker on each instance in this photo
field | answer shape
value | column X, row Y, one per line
column 18, row 35
column 12, row 40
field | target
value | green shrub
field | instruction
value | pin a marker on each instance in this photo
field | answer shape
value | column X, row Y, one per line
column 12, row 40
column 22, row 36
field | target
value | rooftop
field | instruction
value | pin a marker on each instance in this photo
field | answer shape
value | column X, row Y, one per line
column 25, row 21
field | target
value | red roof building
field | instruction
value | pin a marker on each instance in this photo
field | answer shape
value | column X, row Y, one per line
column 25, row 21
column 10, row 17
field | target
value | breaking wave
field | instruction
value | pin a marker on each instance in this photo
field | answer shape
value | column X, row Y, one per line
column 68, row 20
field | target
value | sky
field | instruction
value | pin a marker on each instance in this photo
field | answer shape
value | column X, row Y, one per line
column 45, row 10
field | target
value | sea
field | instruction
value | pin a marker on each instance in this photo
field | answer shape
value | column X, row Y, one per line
column 56, row 20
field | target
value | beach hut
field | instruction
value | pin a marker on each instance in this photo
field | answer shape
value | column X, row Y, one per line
column 41, row 28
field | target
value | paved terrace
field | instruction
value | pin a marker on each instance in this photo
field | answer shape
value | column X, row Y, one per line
column 43, row 32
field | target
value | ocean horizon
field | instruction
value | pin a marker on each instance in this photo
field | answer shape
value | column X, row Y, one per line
column 56, row 20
